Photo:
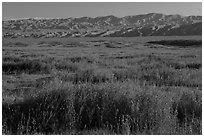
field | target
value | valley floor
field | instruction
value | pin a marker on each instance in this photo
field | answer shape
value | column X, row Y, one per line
column 102, row 86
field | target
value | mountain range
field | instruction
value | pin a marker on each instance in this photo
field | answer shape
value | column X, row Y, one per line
column 152, row 24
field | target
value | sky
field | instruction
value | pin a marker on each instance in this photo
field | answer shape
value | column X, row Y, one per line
column 16, row 10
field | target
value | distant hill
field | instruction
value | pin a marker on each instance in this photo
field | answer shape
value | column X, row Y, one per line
column 151, row 24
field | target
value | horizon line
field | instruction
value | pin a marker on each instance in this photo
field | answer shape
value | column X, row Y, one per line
column 11, row 18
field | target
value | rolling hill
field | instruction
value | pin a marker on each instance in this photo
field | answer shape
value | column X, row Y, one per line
column 152, row 24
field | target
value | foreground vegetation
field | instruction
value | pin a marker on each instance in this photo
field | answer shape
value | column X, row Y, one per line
column 101, row 87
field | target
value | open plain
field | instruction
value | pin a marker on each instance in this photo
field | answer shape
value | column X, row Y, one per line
column 133, row 85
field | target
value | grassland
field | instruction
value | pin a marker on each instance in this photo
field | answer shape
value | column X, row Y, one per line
column 102, row 86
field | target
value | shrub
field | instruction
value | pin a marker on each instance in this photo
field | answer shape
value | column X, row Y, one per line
column 21, row 44
column 25, row 66
column 11, row 59
column 17, row 44
column 80, row 59
column 54, row 43
column 194, row 65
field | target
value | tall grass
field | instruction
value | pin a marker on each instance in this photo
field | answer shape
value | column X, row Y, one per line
column 153, row 70
column 44, row 113
column 120, row 107
column 188, row 110
column 117, row 94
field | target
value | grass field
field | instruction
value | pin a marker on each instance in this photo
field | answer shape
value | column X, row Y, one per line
column 143, row 85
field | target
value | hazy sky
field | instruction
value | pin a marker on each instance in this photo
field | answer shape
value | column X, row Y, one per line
column 93, row 9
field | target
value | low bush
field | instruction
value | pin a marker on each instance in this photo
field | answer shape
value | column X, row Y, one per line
column 17, row 44
column 21, row 44
column 25, row 66
column 11, row 59
column 55, row 43
column 194, row 65
column 80, row 59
